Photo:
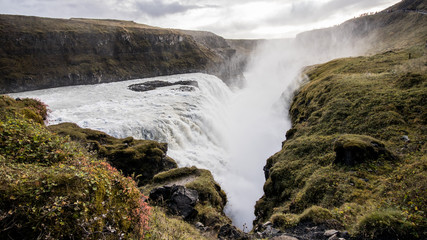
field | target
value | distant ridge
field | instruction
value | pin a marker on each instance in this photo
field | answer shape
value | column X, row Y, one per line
column 38, row 53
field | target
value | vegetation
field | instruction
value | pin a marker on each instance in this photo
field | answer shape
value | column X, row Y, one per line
column 51, row 188
column 140, row 158
column 373, row 110
column 165, row 227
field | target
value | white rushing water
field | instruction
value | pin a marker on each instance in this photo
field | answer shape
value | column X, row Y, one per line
column 231, row 133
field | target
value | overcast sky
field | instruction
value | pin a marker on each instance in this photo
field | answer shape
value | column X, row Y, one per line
column 228, row 18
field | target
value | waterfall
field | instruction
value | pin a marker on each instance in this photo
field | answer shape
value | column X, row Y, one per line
column 229, row 132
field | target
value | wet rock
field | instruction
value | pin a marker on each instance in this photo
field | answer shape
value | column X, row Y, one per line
column 329, row 233
column 151, row 85
column 230, row 232
column 178, row 199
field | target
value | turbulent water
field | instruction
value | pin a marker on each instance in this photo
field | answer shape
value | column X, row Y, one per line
column 210, row 127
column 231, row 133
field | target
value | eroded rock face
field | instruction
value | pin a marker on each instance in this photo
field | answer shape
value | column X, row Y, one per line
column 40, row 53
column 179, row 200
column 355, row 149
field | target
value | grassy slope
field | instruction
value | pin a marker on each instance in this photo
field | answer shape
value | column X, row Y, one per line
column 382, row 96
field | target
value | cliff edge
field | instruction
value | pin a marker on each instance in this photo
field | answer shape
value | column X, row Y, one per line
column 38, row 53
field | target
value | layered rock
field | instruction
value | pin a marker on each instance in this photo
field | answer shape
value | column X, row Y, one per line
column 39, row 53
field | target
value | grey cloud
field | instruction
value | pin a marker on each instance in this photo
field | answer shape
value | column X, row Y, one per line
column 303, row 12
column 160, row 8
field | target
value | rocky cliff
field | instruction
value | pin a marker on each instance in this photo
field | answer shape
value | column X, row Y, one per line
column 39, row 53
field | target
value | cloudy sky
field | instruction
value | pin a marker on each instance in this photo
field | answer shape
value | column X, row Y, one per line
column 228, row 18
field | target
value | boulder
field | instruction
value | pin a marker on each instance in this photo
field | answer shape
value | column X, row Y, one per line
column 178, row 199
column 229, row 232
column 355, row 149
column 151, row 85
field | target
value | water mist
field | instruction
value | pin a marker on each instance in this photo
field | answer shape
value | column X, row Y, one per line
column 258, row 114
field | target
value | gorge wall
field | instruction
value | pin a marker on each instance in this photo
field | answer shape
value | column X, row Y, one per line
column 38, row 53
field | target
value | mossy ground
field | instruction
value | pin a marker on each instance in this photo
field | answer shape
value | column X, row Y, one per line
column 52, row 188
column 381, row 97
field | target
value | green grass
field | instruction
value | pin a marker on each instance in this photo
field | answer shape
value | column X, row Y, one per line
column 165, row 227
column 367, row 104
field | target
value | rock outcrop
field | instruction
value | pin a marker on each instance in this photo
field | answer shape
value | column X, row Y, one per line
column 151, row 85
column 353, row 149
column 178, row 199
column 38, row 53
column 143, row 158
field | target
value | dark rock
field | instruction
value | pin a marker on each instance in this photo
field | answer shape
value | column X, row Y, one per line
column 284, row 237
column 185, row 89
column 178, row 199
column 355, row 149
column 151, row 85
column 271, row 232
column 230, row 232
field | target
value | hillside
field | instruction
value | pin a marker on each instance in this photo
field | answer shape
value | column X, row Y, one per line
column 39, row 53
column 395, row 27
column 355, row 157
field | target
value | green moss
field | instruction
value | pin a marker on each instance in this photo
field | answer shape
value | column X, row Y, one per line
column 175, row 174
column 316, row 214
column 168, row 227
column 284, row 221
column 364, row 109
column 385, row 224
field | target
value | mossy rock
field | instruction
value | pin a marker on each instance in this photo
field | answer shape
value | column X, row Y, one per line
column 141, row 158
column 354, row 149
column 316, row 215
column 212, row 198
